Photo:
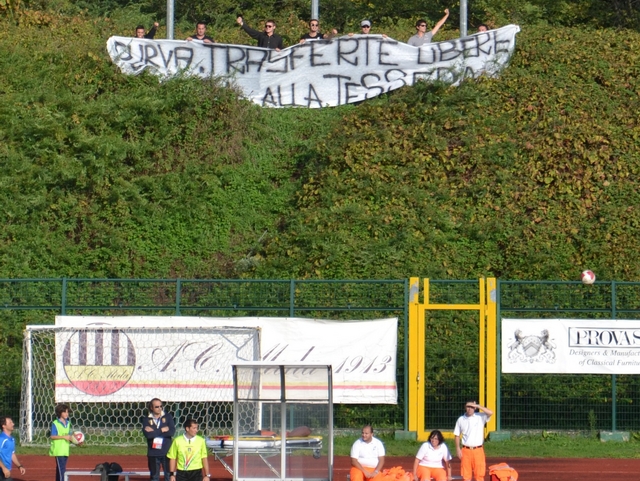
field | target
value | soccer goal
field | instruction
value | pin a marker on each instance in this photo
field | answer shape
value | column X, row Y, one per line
column 107, row 375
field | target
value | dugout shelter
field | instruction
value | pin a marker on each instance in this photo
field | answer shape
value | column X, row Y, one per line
column 280, row 396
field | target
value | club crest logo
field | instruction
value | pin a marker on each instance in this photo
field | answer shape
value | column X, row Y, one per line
column 99, row 362
column 532, row 348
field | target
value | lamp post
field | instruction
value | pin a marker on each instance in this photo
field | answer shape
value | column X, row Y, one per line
column 463, row 18
column 170, row 19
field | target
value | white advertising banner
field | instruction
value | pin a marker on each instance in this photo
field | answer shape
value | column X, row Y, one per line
column 571, row 346
column 152, row 362
column 106, row 363
column 320, row 73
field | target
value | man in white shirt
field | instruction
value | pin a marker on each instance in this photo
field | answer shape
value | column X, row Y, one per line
column 367, row 456
column 470, row 430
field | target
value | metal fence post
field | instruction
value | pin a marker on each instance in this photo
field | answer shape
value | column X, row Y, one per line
column 614, row 394
column 292, row 298
column 178, row 295
column 406, row 355
column 498, row 356
column 63, row 299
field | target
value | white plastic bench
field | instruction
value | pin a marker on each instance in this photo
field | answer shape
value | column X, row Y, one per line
column 126, row 474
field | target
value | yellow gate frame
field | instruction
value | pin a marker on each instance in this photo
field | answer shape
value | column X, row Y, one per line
column 487, row 375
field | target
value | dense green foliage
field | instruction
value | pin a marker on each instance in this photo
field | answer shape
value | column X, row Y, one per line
column 531, row 176
column 113, row 176
column 527, row 176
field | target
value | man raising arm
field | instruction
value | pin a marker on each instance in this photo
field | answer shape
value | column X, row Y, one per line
column 469, row 433
column 267, row 39
column 422, row 36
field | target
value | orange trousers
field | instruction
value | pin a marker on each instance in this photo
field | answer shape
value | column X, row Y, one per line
column 473, row 464
column 425, row 474
column 357, row 475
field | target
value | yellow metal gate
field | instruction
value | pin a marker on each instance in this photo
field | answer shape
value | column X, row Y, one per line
column 487, row 375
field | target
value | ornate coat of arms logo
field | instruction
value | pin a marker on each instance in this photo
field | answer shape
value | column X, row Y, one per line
column 531, row 348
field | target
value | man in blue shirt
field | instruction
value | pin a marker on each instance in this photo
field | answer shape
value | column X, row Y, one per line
column 8, row 450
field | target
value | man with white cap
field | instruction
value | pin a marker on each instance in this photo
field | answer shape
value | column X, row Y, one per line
column 365, row 28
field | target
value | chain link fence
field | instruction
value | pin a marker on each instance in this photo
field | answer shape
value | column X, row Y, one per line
column 37, row 301
column 526, row 401
column 587, row 402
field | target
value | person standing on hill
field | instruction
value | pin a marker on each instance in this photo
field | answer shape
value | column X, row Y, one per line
column 158, row 427
column 8, row 450
column 422, row 36
column 314, row 32
column 365, row 29
column 60, row 439
column 267, row 39
column 201, row 34
column 152, row 33
column 470, row 429
column 367, row 456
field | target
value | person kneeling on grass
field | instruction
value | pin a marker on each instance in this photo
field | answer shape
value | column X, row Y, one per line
column 433, row 460
column 367, row 456
column 188, row 455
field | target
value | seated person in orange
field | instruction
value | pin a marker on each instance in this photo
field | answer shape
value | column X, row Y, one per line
column 367, row 456
column 433, row 459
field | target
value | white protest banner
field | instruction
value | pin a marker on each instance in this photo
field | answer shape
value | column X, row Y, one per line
column 320, row 73
column 571, row 346
column 361, row 373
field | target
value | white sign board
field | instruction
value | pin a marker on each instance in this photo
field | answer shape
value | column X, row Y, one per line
column 320, row 73
column 571, row 346
column 107, row 363
column 362, row 354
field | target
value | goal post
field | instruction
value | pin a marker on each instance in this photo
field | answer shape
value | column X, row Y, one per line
column 107, row 375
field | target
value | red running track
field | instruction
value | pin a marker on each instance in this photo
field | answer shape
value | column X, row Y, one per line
column 42, row 468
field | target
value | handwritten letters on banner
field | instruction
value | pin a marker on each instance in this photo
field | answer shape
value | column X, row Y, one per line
column 138, row 361
column 320, row 73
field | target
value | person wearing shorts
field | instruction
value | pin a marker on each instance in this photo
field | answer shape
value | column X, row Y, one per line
column 469, row 433
column 432, row 460
column 188, row 455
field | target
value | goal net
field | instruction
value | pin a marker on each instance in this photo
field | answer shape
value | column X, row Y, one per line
column 107, row 376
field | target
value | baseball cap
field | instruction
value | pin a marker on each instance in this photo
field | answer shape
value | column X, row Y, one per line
column 365, row 23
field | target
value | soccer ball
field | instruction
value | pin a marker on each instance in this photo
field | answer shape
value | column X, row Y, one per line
column 587, row 277
column 77, row 437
